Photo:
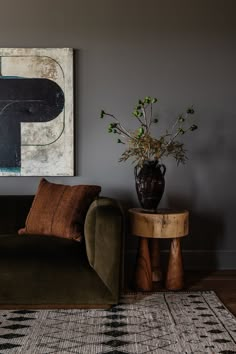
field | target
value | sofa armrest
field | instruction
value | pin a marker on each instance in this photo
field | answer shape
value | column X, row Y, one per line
column 103, row 239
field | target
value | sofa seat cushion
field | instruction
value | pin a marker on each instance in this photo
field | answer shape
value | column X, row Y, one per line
column 59, row 210
column 43, row 270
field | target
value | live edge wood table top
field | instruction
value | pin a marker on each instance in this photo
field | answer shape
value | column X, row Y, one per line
column 151, row 226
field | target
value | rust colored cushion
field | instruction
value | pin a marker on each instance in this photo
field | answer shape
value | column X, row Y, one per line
column 59, row 210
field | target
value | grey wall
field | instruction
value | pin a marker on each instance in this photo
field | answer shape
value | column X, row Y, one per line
column 181, row 51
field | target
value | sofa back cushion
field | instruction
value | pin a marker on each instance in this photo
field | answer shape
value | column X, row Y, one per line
column 59, row 210
column 13, row 212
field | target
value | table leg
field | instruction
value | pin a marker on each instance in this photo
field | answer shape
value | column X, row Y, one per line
column 155, row 259
column 175, row 273
column 143, row 272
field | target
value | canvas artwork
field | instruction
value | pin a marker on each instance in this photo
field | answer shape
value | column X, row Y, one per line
column 36, row 112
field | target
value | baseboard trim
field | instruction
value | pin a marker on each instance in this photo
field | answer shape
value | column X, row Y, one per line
column 197, row 259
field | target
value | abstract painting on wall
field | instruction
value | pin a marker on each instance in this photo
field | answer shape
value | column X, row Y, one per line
column 36, row 112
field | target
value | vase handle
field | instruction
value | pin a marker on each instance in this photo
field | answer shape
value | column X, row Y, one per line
column 164, row 169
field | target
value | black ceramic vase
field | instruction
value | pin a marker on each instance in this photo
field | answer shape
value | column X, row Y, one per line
column 150, row 184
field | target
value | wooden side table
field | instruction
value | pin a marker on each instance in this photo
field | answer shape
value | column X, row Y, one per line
column 167, row 224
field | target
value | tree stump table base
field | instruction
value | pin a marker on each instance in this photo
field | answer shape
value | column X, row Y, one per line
column 150, row 227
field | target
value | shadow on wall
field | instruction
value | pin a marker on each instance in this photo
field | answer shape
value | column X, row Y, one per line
column 206, row 232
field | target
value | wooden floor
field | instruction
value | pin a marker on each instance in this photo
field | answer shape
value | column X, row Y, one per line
column 222, row 282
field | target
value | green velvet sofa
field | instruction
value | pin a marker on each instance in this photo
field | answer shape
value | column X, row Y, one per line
column 42, row 271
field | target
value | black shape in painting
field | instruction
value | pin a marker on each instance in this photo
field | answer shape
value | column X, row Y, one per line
column 24, row 100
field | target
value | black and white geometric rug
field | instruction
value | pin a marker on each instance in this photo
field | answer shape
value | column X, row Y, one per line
column 159, row 323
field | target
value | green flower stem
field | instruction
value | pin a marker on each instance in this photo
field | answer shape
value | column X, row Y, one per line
column 150, row 122
column 169, row 142
column 121, row 127
column 145, row 118
column 123, row 133
column 174, row 125
column 140, row 120
column 150, row 119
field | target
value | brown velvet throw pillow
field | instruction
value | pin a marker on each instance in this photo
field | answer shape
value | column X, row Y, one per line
column 59, row 210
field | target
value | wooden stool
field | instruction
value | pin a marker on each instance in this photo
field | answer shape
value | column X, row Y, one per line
column 165, row 223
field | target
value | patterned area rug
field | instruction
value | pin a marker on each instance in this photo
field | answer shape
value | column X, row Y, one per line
column 194, row 322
